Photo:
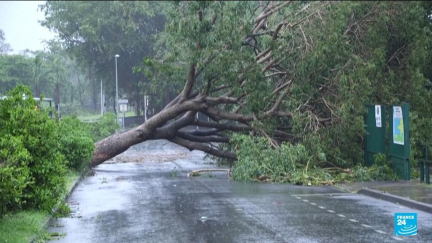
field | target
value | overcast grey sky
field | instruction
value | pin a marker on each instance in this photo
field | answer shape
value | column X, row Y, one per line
column 19, row 21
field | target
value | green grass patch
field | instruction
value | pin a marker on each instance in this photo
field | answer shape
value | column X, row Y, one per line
column 89, row 117
column 98, row 116
column 23, row 226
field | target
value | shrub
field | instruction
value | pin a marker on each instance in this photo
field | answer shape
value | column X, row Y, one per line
column 76, row 142
column 256, row 159
column 295, row 164
column 14, row 174
column 106, row 126
column 32, row 166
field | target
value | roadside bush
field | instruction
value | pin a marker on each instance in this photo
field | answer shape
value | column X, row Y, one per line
column 294, row 164
column 32, row 168
column 76, row 142
column 14, row 174
column 106, row 126
column 257, row 160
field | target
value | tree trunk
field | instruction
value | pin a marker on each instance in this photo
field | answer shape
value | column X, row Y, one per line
column 94, row 89
column 57, row 96
column 138, row 106
column 118, row 143
column 36, row 91
column 72, row 94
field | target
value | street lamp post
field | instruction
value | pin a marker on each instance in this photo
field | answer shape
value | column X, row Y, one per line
column 117, row 105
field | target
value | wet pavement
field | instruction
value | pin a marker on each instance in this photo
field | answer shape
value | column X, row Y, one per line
column 409, row 189
column 155, row 201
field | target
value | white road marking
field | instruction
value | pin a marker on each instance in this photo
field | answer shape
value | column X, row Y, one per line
column 381, row 232
column 367, row 226
column 353, row 220
column 298, row 197
column 313, row 204
column 330, row 211
column 322, row 194
column 321, row 207
column 305, row 201
column 396, row 238
column 341, row 215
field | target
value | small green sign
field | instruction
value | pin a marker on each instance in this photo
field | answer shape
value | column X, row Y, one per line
column 398, row 126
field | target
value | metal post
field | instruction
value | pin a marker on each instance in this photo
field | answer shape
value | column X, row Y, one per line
column 117, row 105
column 123, row 119
column 101, row 99
column 145, row 108
column 422, row 165
column 425, row 167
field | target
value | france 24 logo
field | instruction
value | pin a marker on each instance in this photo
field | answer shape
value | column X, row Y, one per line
column 405, row 224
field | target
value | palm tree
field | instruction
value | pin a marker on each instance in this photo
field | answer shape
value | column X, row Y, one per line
column 36, row 74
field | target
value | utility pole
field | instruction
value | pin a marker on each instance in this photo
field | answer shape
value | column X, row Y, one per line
column 102, row 100
column 145, row 108
column 117, row 105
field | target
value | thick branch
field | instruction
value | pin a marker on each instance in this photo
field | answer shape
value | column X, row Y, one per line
column 118, row 143
column 272, row 11
column 206, row 139
column 222, row 126
column 189, row 84
column 199, row 146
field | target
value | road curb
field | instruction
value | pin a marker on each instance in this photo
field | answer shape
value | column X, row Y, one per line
column 396, row 199
column 67, row 196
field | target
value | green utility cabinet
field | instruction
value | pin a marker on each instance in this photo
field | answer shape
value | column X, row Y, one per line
column 398, row 143
column 375, row 142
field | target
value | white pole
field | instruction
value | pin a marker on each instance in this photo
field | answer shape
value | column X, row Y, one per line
column 101, row 99
column 123, row 118
column 145, row 108
column 117, row 105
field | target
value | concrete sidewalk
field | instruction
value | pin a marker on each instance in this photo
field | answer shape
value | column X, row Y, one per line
column 409, row 193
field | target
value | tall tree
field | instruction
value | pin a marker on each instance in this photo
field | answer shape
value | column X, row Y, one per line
column 4, row 47
column 94, row 32
column 14, row 70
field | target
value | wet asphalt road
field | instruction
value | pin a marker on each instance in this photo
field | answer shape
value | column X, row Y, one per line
column 155, row 201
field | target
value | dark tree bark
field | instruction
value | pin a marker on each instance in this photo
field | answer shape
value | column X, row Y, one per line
column 94, row 88
column 36, row 90
column 138, row 101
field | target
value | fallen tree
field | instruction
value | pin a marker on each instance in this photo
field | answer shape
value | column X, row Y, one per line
column 288, row 71
column 208, row 99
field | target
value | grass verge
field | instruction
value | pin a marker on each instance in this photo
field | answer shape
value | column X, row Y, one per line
column 98, row 116
column 23, row 226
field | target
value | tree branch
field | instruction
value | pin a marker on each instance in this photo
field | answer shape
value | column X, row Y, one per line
column 205, row 139
column 199, row 146
column 189, row 84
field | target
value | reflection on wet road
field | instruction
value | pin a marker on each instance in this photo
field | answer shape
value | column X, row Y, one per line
column 155, row 201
